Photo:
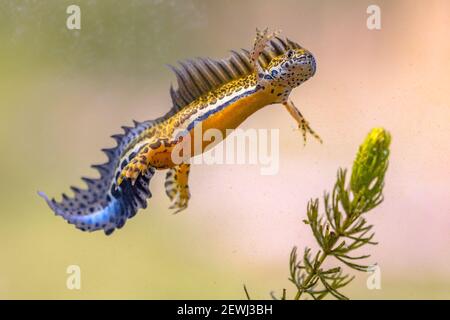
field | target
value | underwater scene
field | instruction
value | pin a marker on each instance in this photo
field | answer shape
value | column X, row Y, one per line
column 240, row 149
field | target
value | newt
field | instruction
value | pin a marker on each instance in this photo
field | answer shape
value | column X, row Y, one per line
column 219, row 94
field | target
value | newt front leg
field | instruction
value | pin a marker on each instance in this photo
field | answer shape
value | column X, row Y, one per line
column 261, row 40
column 303, row 125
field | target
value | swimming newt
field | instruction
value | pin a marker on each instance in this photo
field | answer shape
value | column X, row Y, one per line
column 219, row 94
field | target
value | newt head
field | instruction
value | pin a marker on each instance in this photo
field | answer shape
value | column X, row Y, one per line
column 292, row 68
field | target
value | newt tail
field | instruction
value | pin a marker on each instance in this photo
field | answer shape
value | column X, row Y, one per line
column 219, row 94
column 101, row 205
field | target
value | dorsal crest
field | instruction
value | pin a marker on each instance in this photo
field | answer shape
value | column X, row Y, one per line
column 199, row 76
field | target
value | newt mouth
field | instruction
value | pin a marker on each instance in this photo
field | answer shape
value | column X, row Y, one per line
column 308, row 60
column 313, row 65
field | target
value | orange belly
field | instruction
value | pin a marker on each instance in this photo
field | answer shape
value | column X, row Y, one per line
column 228, row 118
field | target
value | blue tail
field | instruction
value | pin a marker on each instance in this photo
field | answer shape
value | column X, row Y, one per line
column 103, row 206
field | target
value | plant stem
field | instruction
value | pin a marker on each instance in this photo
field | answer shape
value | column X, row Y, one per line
column 322, row 258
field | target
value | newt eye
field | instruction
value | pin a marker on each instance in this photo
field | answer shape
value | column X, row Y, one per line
column 290, row 53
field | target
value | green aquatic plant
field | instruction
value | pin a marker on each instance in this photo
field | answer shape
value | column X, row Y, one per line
column 341, row 228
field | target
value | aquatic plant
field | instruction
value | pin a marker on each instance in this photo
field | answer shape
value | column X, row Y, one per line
column 341, row 228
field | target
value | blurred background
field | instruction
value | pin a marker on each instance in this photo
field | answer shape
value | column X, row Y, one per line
column 64, row 92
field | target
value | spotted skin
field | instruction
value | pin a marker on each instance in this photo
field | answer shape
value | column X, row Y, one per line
column 177, row 188
column 219, row 94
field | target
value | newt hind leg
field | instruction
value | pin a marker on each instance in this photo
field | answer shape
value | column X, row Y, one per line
column 155, row 154
column 177, row 188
